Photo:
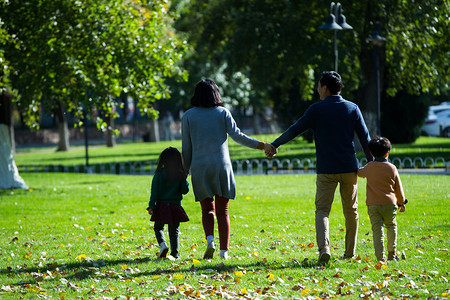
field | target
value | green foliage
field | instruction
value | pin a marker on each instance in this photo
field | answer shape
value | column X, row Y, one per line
column 86, row 54
column 278, row 46
column 280, row 42
column 88, row 236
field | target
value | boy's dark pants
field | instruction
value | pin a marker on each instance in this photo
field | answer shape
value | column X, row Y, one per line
column 174, row 230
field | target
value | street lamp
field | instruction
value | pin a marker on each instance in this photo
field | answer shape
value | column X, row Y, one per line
column 330, row 23
column 377, row 41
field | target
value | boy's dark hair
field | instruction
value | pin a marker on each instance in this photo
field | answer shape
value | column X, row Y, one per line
column 172, row 162
column 332, row 80
column 206, row 94
column 379, row 146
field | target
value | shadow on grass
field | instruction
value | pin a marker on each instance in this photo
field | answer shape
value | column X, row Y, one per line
column 87, row 269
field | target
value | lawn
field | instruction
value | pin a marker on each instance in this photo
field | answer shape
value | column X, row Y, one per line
column 141, row 152
column 88, row 236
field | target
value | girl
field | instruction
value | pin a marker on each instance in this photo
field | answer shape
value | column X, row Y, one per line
column 168, row 186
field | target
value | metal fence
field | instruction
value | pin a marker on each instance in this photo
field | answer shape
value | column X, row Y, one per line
column 240, row 167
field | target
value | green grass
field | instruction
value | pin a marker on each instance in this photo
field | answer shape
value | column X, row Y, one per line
column 88, row 236
column 139, row 152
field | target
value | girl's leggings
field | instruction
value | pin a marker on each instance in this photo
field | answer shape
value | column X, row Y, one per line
column 174, row 230
column 220, row 207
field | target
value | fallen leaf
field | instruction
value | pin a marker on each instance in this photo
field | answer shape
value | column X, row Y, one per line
column 238, row 273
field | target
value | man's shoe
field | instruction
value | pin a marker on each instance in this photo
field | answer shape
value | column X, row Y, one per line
column 209, row 253
column 163, row 249
column 324, row 256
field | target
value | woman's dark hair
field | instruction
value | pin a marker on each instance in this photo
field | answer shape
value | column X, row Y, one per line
column 332, row 80
column 379, row 146
column 206, row 94
column 172, row 162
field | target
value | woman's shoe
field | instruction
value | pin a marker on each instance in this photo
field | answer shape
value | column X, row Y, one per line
column 209, row 253
column 224, row 254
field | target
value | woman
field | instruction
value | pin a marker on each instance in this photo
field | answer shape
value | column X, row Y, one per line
column 205, row 130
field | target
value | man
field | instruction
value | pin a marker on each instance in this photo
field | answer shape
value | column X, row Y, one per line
column 334, row 122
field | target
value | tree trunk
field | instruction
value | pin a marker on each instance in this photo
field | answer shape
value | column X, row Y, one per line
column 110, row 136
column 63, row 127
column 9, row 175
column 256, row 123
column 154, row 130
column 367, row 93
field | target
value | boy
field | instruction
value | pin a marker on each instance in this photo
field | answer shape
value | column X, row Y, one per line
column 384, row 194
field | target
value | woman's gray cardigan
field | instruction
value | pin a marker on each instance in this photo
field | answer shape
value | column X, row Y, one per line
column 205, row 150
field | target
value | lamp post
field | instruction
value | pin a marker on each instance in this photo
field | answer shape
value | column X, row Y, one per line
column 377, row 41
column 330, row 23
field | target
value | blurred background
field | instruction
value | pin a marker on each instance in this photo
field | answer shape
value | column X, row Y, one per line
column 101, row 71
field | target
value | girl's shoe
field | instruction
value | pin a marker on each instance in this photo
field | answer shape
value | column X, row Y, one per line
column 163, row 249
column 209, row 253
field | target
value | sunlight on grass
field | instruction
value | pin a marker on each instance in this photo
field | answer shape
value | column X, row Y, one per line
column 76, row 235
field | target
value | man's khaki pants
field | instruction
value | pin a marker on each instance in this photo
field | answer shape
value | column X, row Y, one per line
column 325, row 188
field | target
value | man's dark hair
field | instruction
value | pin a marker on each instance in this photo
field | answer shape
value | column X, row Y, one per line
column 379, row 146
column 332, row 80
column 206, row 94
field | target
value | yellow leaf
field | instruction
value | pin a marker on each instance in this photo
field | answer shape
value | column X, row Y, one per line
column 123, row 267
column 244, row 291
column 305, row 291
column 248, row 197
column 81, row 256
column 195, row 261
column 178, row 276
column 155, row 277
column 238, row 273
column 385, row 267
column 271, row 277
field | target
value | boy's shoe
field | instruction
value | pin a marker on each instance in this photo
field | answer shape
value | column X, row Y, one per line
column 163, row 249
column 324, row 256
column 209, row 253
column 392, row 255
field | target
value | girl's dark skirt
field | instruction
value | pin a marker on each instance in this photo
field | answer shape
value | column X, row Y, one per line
column 169, row 213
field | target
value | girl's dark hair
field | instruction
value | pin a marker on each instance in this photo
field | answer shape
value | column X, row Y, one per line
column 332, row 80
column 206, row 94
column 379, row 146
column 172, row 162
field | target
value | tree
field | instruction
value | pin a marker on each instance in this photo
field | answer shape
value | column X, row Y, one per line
column 278, row 45
column 80, row 55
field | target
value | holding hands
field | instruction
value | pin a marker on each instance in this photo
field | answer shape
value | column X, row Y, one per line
column 270, row 150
